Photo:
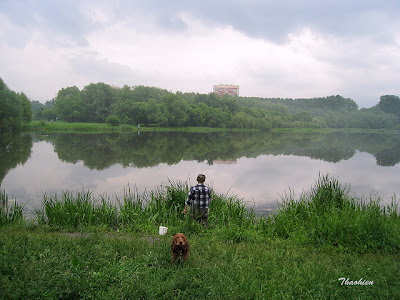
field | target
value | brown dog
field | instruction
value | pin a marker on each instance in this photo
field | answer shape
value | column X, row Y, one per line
column 180, row 247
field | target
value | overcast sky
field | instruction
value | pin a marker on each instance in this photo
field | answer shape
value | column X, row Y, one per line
column 285, row 48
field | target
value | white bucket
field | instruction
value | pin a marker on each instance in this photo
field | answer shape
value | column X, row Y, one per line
column 162, row 230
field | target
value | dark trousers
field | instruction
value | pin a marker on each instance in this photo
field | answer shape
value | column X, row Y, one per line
column 200, row 215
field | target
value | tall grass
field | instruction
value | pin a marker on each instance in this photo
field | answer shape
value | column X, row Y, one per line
column 324, row 216
column 76, row 210
column 163, row 206
column 9, row 213
column 143, row 211
column 327, row 215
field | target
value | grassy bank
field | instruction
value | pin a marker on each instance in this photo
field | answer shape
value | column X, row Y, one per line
column 62, row 126
column 39, row 263
column 82, row 247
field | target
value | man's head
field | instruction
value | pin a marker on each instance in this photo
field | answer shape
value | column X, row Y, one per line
column 201, row 178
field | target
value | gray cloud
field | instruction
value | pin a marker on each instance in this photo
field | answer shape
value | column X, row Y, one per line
column 273, row 20
column 54, row 18
column 288, row 48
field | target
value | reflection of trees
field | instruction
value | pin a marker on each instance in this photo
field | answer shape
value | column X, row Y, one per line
column 148, row 149
column 14, row 150
column 389, row 157
column 332, row 147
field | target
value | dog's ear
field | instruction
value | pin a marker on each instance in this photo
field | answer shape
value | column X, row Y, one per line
column 186, row 245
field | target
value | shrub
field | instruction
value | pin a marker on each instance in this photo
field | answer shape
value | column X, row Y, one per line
column 113, row 120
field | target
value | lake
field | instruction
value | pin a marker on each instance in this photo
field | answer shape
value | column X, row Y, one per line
column 259, row 167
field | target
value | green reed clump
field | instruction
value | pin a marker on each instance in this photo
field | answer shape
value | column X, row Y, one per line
column 75, row 210
column 9, row 213
column 144, row 211
column 176, row 195
column 327, row 215
column 130, row 208
column 231, row 220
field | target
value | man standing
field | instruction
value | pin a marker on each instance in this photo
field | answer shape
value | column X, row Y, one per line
column 199, row 201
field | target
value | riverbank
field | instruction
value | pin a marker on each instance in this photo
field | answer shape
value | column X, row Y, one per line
column 323, row 245
column 38, row 262
column 62, row 126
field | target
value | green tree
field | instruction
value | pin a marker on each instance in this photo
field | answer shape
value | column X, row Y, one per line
column 37, row 109
column 390, row 104
column 144, row 93
column 67, row 102
column 156, row 113
column 15, row 109
column 217, row 118
column 303, row 116
column 199, row 115
column 26, row 108
column 331, row 119
column 229, row 104
column 178, row 110
column 48, row 114
column 3, row 86
column 242, row 120
column 97, row 100
column 262, row 124
column 113, row 120
column 132, row 112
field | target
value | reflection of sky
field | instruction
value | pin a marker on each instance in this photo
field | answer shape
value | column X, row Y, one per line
column 261, row 180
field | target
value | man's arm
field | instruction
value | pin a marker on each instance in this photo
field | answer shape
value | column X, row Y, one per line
column 188, row 201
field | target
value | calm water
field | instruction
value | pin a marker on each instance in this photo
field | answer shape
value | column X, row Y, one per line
column 258, row 167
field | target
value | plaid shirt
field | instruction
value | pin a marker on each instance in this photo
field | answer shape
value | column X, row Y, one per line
column 199, row 196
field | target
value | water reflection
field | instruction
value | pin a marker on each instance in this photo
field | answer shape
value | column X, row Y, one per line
column 14, row 150
column 256, row 166
column 100, row 151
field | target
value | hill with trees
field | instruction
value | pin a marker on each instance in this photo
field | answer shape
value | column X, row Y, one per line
column 151, row 105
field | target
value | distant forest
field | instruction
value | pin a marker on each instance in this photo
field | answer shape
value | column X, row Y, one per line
column 100, row 102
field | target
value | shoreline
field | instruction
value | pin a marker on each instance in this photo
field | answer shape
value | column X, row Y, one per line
column 61, row 126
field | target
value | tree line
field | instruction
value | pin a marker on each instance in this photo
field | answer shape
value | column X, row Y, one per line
column 151, row 105
column 15, row 109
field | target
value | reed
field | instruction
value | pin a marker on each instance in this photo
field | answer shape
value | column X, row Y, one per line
column 327, row 215
column 138, row 211
column 76, row 210
column 324, row 216
column 9, row 213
